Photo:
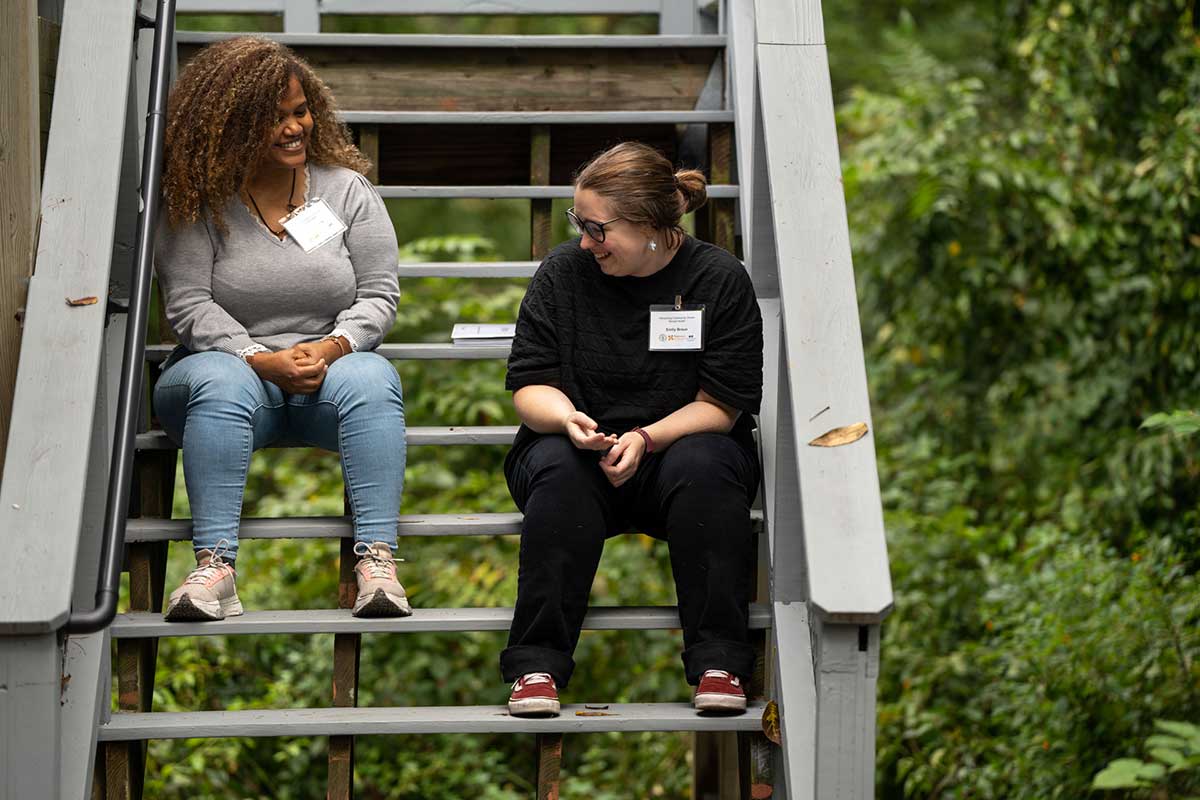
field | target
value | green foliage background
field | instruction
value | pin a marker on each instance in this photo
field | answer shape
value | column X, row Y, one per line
column 1021, row 183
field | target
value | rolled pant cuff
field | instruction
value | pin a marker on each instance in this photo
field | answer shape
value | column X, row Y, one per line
column 734, row 657
column 524, row 659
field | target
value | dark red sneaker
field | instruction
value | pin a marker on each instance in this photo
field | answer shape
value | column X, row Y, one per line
column 535, row 694
column 719, row 691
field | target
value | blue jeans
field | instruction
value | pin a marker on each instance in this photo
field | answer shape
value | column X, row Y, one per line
column 216, row 408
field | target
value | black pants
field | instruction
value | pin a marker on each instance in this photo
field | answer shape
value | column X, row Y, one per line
column 696, row 495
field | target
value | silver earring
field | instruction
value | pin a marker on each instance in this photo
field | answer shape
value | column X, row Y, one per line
column 653, row 245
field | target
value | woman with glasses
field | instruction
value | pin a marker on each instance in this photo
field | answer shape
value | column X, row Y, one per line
column 636, row 367
column 277, row 261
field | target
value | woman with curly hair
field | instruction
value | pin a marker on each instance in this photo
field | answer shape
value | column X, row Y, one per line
column 277, row 261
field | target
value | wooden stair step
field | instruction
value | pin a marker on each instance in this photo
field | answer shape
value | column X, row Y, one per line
column 149, row 624
column 467, row 41
column 423, row 351
column 518, row 192
column 680, row 117
column 180, row 530
column 469, row 269
column 457, row 435
column 575, row 718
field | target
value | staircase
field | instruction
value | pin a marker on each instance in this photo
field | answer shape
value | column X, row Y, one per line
column 739, row 88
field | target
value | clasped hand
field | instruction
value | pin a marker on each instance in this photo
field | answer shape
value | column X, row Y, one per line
column 624, row 451
column 296, row 370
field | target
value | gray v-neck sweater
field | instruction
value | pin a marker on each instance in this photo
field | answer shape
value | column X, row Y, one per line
column 246, row 291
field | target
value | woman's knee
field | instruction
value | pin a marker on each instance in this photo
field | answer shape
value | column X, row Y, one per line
column 366, row 378
column 707, row 462
column 210, row 377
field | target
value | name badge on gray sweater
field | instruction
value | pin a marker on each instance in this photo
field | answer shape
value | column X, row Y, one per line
column 313, row 224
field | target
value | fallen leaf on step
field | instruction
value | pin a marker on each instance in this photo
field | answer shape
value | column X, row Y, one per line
column 841, row 436
column 595, row 714
column 83, row 301
column 770, row 722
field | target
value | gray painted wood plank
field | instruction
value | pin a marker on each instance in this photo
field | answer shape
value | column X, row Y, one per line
column 41, row 500
column 466, row 41
column 230, row 6
column 448, row 719
column 471, row 269
column 743, row 96
column 537, row 117
column 796, row 693
column 180, row 530
column 506, row 192
column 491, row 6
column 790, row 22
column 845, row 701
column 844, row 544
column 457, row 435
column 418, row 351
column 424, row 620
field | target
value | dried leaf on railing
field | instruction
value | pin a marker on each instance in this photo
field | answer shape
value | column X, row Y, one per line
column 841, row 436
column 770, row 722
column 83, row 301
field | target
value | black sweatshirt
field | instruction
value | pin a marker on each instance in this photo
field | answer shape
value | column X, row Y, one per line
column 587, row 333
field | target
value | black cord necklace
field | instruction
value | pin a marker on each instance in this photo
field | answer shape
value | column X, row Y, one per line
column 291, row 206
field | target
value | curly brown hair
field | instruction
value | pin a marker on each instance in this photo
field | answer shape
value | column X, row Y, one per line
column 220, row 116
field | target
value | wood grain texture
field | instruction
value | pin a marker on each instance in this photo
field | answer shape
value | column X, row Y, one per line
column 790, row 22
column 368, row 143
column 549, row 763
column 720, row 165
column 490, row 79
column 347, row 649
column 19, row 173
column 844, row 546
column 41, row 499
column 845, row 682
column 539, row 175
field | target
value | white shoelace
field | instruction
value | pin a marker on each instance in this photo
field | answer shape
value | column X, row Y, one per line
column 377, row 566
column 533, row 677
column 215, row 562
column 720, row 673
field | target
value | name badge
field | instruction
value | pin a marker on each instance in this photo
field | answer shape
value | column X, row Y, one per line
column 313, row 224
column 678, row 327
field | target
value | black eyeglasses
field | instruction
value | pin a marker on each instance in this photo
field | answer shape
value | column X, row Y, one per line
column 589, row 226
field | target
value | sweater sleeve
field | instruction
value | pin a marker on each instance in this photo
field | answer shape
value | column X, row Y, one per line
column 183, row 260
column 534, row 358
column 371, row 241
column 731, row 368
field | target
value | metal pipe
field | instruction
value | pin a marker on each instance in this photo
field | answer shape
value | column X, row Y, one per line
column 129, row 395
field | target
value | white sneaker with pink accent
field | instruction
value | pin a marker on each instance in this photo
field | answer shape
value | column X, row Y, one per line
column 379, row 593
column 208, row 592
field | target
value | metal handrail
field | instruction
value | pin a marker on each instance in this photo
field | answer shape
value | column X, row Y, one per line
column 129, row 395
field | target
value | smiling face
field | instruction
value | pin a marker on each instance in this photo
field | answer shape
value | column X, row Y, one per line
column 290, row 136
column 624, row 249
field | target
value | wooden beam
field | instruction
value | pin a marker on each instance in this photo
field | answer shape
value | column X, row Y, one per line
column 540, row 222
column 19, row 178
column 549, row 763
column 368, row 143
column 720, row 166
column 346, row 652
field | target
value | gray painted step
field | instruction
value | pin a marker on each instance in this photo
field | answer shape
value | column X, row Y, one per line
column 180, row 530
column 448, row 719
column 537, row 117
column 422, row 351
column 464, row 41
column 147, row 624
column 716, row 191
column 469, row 269
column 462, row 434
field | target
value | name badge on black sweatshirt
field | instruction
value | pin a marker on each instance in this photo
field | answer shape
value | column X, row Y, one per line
column 313, row 224
column 678, row 327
